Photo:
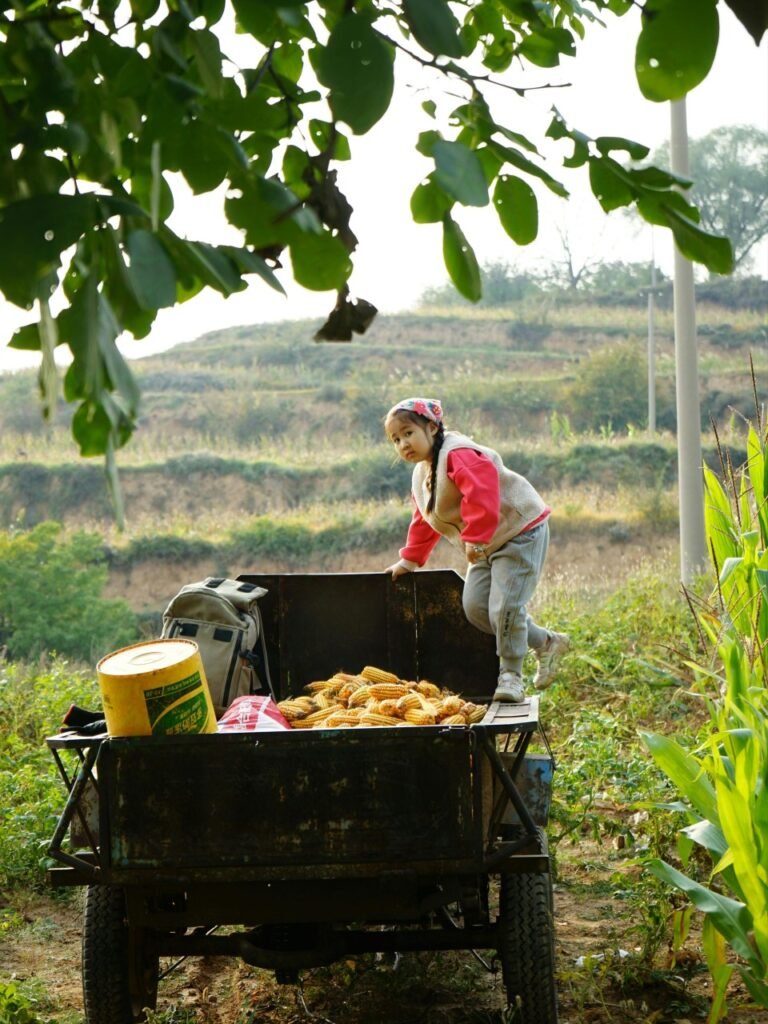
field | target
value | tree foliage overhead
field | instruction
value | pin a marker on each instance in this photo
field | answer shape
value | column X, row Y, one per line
column 102, row 101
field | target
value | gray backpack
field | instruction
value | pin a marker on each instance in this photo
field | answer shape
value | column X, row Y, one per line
column 222, row 616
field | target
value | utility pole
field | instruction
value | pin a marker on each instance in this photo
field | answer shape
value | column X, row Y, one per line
column 652, row 345
column 693, row 543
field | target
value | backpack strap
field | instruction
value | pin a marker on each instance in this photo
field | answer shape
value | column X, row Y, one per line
column 255, row 661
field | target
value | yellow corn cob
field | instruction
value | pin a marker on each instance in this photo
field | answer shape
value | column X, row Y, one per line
column 378, row 675
column 454, row 720
column 318, row 716
column 294, row 709
column 418, row 716
column 428, row 689
column 473, row 712
column 451, row 705
column 371, row 718
column 342, row 677
column 389, row 707
column 383, row 691
column 324, row 699
column 319, row 685
column 361, row 696
column 409, row 700
column 342, row 719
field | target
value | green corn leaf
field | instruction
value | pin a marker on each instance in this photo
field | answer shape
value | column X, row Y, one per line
column 756, row 464
column 745, row 509
column 720, row 970
column 718, row 520
column 705, row 834
column 736, row 821
column 685, row 772
column 731, row 918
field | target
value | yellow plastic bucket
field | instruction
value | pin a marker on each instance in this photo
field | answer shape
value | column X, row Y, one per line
column 156, row 688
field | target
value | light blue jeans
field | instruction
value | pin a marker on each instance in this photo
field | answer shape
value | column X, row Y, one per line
column 497, row 591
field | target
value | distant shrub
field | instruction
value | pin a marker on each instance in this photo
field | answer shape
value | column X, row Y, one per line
column 735, row 292
column 331, row 393
column 610, row 390
column 528, row 334
column 50, row 596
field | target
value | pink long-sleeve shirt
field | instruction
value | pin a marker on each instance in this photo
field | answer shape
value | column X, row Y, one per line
column 477, row 479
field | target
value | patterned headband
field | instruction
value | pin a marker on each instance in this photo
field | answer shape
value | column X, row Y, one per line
column 430, row 408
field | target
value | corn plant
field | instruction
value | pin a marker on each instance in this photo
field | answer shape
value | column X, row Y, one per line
column 723, row 782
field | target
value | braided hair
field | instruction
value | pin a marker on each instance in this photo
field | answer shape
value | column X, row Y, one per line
column 437, row 445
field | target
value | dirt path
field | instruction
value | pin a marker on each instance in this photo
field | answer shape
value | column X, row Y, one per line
column 601, row 978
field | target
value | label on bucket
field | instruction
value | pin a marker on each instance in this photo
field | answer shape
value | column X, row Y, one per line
column 178, row 707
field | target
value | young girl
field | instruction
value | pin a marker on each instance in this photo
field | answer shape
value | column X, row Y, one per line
column 462, row 490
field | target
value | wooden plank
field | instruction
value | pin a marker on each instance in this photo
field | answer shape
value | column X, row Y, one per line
column 334, row 796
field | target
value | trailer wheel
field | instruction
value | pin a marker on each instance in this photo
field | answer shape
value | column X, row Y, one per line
column 527, row 947
column 120, row 971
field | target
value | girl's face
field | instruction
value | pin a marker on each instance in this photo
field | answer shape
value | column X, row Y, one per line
column 413, row 442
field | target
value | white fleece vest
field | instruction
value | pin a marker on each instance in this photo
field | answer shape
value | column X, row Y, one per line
column 521, row 503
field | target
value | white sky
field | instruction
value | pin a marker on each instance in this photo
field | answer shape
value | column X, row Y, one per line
column 397, row 260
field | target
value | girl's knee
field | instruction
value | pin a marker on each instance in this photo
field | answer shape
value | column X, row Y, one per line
column 477, row 615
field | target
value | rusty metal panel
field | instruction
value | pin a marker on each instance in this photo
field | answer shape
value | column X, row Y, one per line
column 321, row 623
column 332, row 797
column 451, row 651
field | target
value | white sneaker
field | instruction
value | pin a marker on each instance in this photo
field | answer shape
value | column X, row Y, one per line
column 510, row 689
column 548, row 657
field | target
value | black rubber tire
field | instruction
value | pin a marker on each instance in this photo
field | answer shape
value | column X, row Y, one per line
column 527, row 947
column 120, row 972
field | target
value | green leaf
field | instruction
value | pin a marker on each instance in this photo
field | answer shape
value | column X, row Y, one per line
column 718, row 520
column 207, row 155
column 608, row 143
column 544, row 46
column 676, row 47
column 26, row 338
column 151, row 271
column 458, row 172
column 33, row 234
column 460, row 261
column 517, row 208
column 608, row 182
column 685, row 772
column 207, row 52
column 522, row 163
column 249, row 263
column 320, row 262
column 357, row 67
column 434, row 27
column 732, row 919
column 696, row 244
column 429, row 204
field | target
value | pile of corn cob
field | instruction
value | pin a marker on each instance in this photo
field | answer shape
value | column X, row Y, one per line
column 376, row 697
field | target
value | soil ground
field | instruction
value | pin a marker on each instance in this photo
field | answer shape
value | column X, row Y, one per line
column 600, row 976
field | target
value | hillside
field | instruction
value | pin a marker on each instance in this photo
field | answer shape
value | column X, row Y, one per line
column 258, row 447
